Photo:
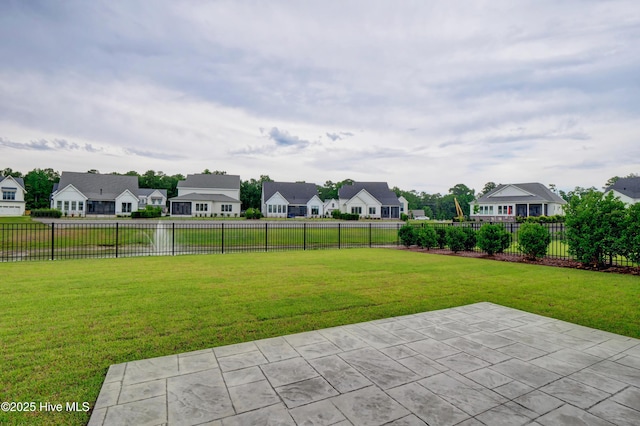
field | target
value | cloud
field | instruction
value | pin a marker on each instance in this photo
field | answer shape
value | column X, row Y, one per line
column 284, row 139
column 338, row 135
column 49, row 145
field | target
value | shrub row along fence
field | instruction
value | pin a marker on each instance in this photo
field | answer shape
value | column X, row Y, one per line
column 68, row 240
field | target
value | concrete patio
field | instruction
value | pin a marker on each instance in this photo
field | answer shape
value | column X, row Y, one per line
column 480, row 364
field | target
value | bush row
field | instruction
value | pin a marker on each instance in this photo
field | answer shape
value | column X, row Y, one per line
column 252, row 213
column 55, row 213
column 148, row 213
column 540, row 219
column 336, row 214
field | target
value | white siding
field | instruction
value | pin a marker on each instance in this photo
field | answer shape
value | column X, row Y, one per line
column 126, row 198
column 70, row 201
column 276, row 206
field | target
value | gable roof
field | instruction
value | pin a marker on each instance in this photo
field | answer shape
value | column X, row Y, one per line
column 537, row 193
column 210, row 181
column 627, row 186
column 293, row 192
column 18, row 180
column 148, row 191
column 98, row 187
column 194, row 196
column 379, row 190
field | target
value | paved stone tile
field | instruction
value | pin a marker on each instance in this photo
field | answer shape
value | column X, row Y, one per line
column 149, row 412
column 241, row 360
column 276, row 349
column 433, row 349
column 468, row 398
column 369, row 406
column 197, row 398
column 339, row 374
column 306, row 391
column 150, row 369
column 427, row 405
column 471, row 365
column 380, row 369
column 288, row 371
column 616, row 413
column 269, row 416
column 568, row 415
column 528, row 374
column 251, row 396
column 575, row 393
column 321, row 413
column 143, row 390
column 243, row 376
column 629, row 397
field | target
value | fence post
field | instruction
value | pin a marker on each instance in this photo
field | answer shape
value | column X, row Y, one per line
column 173, row 238
column 53, row 239
column 222, row 237
column 338, row 235
column 304, row 232
column 397, row 234
column 266, row 236
column 370, row 234
column 116, row 240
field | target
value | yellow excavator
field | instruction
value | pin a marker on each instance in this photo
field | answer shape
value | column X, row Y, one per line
column 459, row 213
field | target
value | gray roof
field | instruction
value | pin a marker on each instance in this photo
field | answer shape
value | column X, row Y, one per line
column 20, row 181
column 627, row 186
column 193, row 196
column 379, row 190
column 540, row 193
column 294, row 193
column 149, row 191
column 210, row 181
column 99, row 187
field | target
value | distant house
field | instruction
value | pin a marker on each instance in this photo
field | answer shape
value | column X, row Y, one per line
column 370, row 199
column 627, row 189
column 288, row 199
column 506, row 202
column 87, row 194
column 417, row 213
column 12, row 202
column 330, row 205
column 207, row 195
column 152, row 197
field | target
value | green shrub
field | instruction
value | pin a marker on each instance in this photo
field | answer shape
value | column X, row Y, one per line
column 595, row 226
column 336, row 214
column 407, row 235
column 470, row 238
column 493, row 239
column 441, row 237
column 426, row 237
column 55, row 213
column 533, row 240
column 456, row 238
column 631, row 234
column 252, row 213
column 148, row 213
column 404, row 217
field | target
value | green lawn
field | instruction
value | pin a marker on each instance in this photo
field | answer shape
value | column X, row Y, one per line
column 65, row 322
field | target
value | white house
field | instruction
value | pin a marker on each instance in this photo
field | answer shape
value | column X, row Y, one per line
column 289, row 199
column 370, row 199
column 627, row 189
column 152, row 197
column 330, row 205
column 207, row 195
column 12, row 202
column 88, row 194
column 506, row 202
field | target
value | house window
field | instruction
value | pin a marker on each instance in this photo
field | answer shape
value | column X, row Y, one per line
column 372, row 210
column 80, row 206
column 73, row 205
column 226, row 207
column 126, row 207
column 202, row 207
column 270, row 208
column 356, row 210
column 66, row 205
column 315, row 210
column 59, row 205
column 279, row 208
column 490, row 209
column 8, row 194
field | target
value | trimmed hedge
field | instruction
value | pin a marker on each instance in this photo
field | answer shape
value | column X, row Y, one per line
column 55, row 213
column 493, row 239
column 533, row 240
column 148, row 213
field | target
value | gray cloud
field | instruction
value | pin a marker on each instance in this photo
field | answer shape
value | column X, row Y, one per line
column 283, row 138
column 49, row 145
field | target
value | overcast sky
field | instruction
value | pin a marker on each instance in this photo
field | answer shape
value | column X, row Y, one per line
column 421, row 94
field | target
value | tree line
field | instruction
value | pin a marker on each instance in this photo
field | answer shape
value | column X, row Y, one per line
column 39, row 184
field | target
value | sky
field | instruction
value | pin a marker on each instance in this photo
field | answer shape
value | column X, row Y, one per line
column 421, row 94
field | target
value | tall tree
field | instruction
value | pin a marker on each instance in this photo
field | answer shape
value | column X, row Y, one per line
column 251, row 192
column 10, row 172
column 39, row 185
column 465, row 196
column 489, row 186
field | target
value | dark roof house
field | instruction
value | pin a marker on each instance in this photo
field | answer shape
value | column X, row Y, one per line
column 627, row 189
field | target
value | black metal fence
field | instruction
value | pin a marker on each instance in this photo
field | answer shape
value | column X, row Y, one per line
column 69, row 239
column 76, row 239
